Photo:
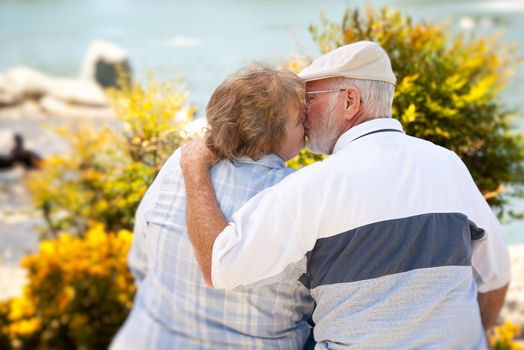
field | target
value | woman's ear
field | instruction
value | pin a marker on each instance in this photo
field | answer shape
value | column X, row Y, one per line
column 352, row 105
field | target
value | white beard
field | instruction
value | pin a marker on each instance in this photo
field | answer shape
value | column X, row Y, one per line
column 322, row 139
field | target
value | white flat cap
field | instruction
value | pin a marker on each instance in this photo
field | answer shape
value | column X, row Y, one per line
column 361, row 60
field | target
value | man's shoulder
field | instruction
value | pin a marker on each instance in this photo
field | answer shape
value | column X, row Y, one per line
column 422, row 144
column 311, row 172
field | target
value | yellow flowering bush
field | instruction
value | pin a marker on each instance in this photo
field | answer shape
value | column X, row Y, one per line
column 79, row 293
column 304, row 158
column 502, row 337
column 448, row 91
column 109, row 167
column 154, row 116
column 98, row 181
column 80, row 290
column 297, row 62
column 5, row 341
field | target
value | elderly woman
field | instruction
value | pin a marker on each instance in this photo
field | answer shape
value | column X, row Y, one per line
column 255, row 124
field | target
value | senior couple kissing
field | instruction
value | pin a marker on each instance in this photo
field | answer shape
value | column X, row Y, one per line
column 385, row 244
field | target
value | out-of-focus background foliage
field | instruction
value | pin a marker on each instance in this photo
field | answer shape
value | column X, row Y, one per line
column 79, row 289
column 109, row 168
column 448, row 91
column 456, row 87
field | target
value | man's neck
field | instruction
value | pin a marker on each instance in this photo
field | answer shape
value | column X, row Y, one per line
column 358, row 121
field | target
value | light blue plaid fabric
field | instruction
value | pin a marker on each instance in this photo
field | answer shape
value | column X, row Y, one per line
column 173, row 308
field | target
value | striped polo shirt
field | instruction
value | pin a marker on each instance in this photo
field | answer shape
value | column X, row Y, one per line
column 398, row 240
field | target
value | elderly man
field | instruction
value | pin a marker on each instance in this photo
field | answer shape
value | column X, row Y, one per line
column 399, row 241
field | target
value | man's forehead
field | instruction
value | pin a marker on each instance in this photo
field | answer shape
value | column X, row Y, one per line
column 319, row 84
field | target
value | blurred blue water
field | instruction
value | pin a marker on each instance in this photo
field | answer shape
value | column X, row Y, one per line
column 203, row 41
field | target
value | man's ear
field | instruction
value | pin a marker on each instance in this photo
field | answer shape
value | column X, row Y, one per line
column 352, row 102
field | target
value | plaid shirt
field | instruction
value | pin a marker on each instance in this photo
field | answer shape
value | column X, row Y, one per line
column 174, row 309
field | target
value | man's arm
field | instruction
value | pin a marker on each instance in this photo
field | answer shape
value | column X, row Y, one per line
column 490, row 305
column 490, row 256
column 205, row 220
column 250, row 247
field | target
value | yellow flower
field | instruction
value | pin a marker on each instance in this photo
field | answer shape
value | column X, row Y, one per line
column 21, row 307
column 503, row 336
column 297, row 63
column 47, row 247
column 24, row 327
column 97, row 270
column 65, row 297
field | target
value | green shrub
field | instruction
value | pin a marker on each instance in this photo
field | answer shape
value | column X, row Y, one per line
column 448, row 92
column 108, row 168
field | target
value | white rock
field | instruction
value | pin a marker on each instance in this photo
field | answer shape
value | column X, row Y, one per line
column 22, row 110
column 100, row 60
column 8, row 97
column 57, row 107
column 6, row 141
column 21, row 82
column 77, row 92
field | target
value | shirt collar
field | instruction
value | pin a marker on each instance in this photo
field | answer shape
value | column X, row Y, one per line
column 365, row 128
column 270, row 160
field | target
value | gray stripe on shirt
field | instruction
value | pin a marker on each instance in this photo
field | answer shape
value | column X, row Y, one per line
column 392, row 246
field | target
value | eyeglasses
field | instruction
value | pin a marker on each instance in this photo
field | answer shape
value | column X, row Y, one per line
column 322, row 91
